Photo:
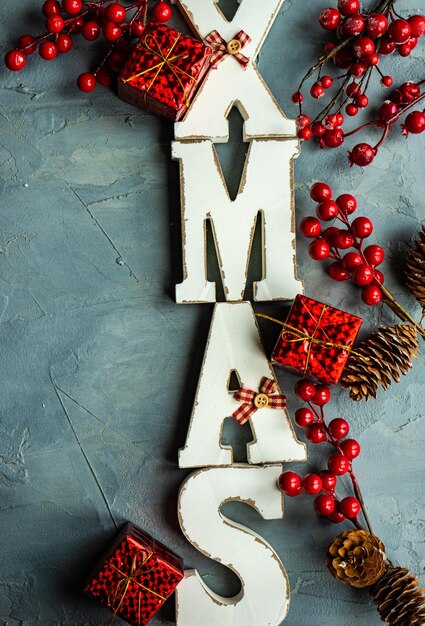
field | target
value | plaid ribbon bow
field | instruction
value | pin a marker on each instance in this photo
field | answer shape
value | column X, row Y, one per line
column 223, row 49
column 252, row 400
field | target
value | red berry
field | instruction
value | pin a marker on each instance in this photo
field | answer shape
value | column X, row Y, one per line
column 51, row 7
column 362, row 227
column 304, row 417
column 327, row 210
column 312, row 484
column 348, row 7
column 86, row 82
column 344, row 239
column 115, row 12
column 352, row 25
column 347, row 203
column 328, row 47
column 343, row 58
column 350, row 448
column 330, row 122
column 310, row 227
column 303, row 121
column 76, row 26
column 376, row 25
column 48, row 50
column 379, row 277
column 319, row 249
column 352, row 260
column 317, row 91
column 318, row 129
column 329, row 19
column 387, row 110
column 371, row 294
column 404, row 49
column 91, row 30
column 103, row 77
column 329, row 234
column 336, row 516
column 315, row 433
column 362, row 154
column 339, row 428
column 117, row 60
column 363, row 47
column 334, row 137
column 413, row 42
column 406, row 93
column 297, row 97
column 338, row 464
column 358, row 69
column 373, row 59
column 324, row 505
column 374, row 255
column 161, row 12
column 305, row 389
column 328, row 480
column 326, row 82
column 15, row 60
column 319, row 192
column 72, row 6
column 414, row 123
column 362, row 101
column 111, row 31
column 350, row 507
column 353, row 89
column 338, row 272
column 387, row 81
column 387, row 46
column 55, row 24
column 339, row 119
column 290, row 483
column 137, row 29
column 64, row 43
column 417, row 25
column 321, row 396
column 305, row 133
column 363, row 275
column 25, row 44
column 351, row 110
column 399, row 31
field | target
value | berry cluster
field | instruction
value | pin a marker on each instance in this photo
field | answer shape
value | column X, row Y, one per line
column 117, row 24
column 361, row 40
column 323, row 485
column 335, row 243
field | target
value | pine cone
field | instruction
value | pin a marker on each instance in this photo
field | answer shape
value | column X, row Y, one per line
column 356, row 557
column 400, row 600
column 381, row 358
column 415, row 269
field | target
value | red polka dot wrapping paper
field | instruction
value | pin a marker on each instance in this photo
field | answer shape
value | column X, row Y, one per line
column 319, row 323
column 136, row 576
column 164, row 71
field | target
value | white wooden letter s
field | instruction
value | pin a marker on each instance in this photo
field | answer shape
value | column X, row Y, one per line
column 264, row 596
column 229, row 84
column 266, row 188
column 234, row 344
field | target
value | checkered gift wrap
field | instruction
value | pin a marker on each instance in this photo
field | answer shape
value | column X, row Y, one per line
column 164, row 71
column 135, row 577
column 316, row 340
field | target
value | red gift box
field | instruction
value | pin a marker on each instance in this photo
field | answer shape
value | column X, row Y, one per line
column 316, row 340
column 136, row 576
column 164, row 71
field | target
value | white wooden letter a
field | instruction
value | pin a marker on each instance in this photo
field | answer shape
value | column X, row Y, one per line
column 234, row 344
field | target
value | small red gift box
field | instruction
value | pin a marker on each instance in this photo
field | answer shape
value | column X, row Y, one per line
column 164, row 71
column 316, row 340
column 136, row 576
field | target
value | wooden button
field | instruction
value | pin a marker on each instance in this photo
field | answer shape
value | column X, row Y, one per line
column 234, row 46
column 261, row 400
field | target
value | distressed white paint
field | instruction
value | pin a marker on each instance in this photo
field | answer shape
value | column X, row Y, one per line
column 230, row 84
column 234, row 344
column 264, row 596
column 266, row 187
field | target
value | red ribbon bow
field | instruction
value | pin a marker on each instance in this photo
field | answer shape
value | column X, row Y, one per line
column 223, row 49
column 252, row 400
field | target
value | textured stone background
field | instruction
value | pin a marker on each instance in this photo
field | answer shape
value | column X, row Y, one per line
column 99, row 366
